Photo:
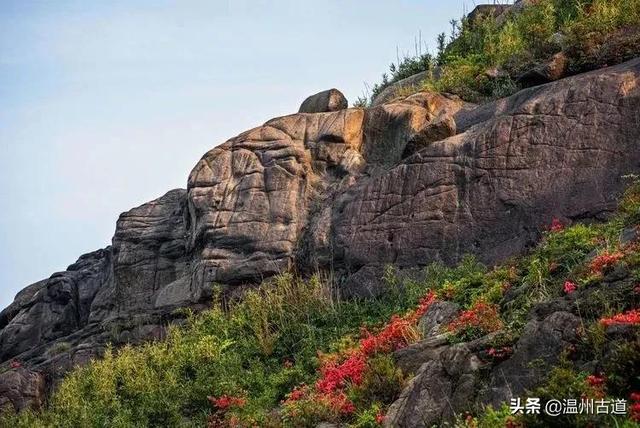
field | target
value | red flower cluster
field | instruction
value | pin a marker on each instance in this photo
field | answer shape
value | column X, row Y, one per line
column 336, row 376
column 482, row 316
column 595, row 380
column 556, row 225
column 225, row 402
column 500, row 353
column 569, row 287
column 339, row 403
column 15, row 364
column 631, row 317
column 392, row 337
column 380, row 417
column 512, row 423
column 597, row 384
column 634, row 409
column 298, row 393
column 604, row 261
column 398, row 332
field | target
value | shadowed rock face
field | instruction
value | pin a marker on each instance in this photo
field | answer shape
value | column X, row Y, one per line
column 420, row 179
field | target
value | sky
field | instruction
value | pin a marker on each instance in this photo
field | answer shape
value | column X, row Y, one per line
column 105, row 105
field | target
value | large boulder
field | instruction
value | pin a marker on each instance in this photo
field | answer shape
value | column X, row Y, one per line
column 553, row 69
column 325, row 101
column 249, row 198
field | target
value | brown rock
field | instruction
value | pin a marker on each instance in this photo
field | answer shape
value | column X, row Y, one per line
column 555, row 68
column 21, row 389
column 325, row 101
column 490, row 190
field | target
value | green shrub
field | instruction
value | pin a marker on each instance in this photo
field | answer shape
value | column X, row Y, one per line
column 523, row 40
column 381, row 383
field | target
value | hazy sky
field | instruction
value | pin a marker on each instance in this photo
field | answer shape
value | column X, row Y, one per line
column 105, row 105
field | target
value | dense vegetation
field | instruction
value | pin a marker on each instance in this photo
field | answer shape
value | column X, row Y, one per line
column 483, row 58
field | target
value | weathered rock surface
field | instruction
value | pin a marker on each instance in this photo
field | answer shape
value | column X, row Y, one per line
column 448, row 378
column 453, row 378
column 558, row 151
column 408, row 182
column 21, row 389
column 325, row 101
column 394, row 90
column 553, row 69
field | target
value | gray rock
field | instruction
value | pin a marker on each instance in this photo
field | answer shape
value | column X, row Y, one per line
column 325, row 101
column 443, row 386
column 538, row 349
column 490, row 190
column 487, row 10
column 437, row 316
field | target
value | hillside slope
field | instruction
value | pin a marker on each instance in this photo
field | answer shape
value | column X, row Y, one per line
column 423, row 177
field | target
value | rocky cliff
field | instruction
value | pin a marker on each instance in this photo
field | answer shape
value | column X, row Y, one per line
column 417, row 179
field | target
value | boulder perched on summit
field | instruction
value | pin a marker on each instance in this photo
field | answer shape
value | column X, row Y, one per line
column 325, row 101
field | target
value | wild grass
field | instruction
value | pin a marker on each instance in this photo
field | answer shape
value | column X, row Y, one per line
column 513, row 45
column 260, row 349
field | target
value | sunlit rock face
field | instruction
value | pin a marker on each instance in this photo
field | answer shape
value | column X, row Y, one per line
column 413, row 180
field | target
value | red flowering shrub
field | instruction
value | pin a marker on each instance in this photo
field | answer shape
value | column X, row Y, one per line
column 339, row 403
column 222, row 405
column 596, row 385
column 604, row 261
column 631, row 317
column 15, row 364
column 297, row 393
column 512, row 423
column 225, row 402
column 327, row 398
column 380, row 417
column 634, row 408
column 556, row 225
column 398, row 333
column 569, row 287
column 500, row 353
column 480, row 319
column 337, row 376
column 393, row 336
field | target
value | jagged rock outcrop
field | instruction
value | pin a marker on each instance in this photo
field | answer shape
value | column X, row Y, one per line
column 419, row 179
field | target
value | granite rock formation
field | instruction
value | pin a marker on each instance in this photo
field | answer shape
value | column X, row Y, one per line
column 325, row 101
column 414, row 180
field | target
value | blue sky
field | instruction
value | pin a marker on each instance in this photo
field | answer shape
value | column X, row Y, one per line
column 105, row 105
